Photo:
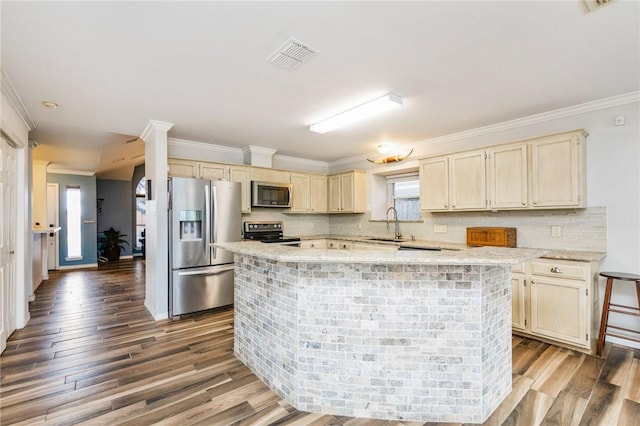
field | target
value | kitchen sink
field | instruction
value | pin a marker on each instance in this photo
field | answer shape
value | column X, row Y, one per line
column 389, row 240
column 414, row 248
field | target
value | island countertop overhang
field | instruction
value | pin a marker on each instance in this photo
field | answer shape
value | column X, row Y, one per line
column 472, row 256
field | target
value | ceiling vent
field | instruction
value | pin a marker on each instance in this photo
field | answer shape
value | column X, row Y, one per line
column 292, row 54
column 593, row 5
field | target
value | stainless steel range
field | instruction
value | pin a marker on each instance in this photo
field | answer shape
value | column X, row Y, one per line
column 268, row 232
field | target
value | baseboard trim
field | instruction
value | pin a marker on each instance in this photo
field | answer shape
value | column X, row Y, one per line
column 83, row 266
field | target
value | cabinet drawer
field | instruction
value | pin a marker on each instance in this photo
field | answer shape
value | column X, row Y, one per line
column 560, row 269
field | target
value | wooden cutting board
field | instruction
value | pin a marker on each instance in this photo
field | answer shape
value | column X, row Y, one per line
column 491, row 236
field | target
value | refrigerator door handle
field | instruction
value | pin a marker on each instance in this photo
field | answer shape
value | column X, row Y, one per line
column 207, row 271
column 214, row 213
column 207, row 225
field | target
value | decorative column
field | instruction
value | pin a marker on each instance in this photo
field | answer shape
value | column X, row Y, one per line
column 157, row 226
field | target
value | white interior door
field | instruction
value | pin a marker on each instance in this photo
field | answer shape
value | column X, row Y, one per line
column 52, row 221
column 7, row 241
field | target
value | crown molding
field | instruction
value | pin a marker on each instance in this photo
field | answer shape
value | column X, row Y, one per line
column 15, row 101
column 253, row 149
column 183, row 143
column 613, row 101
column 311, row 163
column 155, row 125
column 70, row 172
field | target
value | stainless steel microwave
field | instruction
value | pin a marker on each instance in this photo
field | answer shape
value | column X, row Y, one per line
column 269, row 194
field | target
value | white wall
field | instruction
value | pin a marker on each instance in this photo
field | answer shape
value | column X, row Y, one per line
column 613, row 179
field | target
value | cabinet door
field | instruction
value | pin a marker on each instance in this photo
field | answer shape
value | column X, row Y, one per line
column 269, row 175
column 358, row 191
column 559, row 310
column 183, row 168
column 300, row 196
column 242, row 175
column 518, row 286
column 213, row 171
column 335, row 194
column 555, row 179
column 467, row 178
column 508, row 177
column 346, row 192
column 318, row 194
column 434, row 184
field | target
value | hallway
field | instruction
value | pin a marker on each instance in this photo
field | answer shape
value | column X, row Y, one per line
column 92, row 355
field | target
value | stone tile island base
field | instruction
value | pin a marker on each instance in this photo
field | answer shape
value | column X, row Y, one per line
column 422, row 342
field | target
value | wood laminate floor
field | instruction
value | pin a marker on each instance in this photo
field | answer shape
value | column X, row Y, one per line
column 92, row 355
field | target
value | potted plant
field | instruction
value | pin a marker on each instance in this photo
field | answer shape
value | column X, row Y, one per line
column 111, row 243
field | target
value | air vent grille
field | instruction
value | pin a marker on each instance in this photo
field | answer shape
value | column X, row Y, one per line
column 291, row 54
column 593, row 5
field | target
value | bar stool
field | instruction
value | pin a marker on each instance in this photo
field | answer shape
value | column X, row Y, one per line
column 630, row 310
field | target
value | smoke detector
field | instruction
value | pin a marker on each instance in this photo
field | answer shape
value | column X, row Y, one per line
column 594, row 5
column 291, row 54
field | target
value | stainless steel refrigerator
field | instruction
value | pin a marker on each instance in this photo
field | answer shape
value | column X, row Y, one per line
column 201, row 213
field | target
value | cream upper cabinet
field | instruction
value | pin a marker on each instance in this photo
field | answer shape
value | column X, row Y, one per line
column 260, row 174
column 347, row 192
column 508, row 177
column 560, row 302
column 300, row 193
column 467, row 181
column 541, row 173
column 557, row 171
column 309, row 193
column 183, row 168
column 214, row 171
column 434, row 183
column 318, row 191
column 243, row 175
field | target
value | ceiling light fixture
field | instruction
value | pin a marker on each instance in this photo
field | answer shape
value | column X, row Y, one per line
column 366, row 110
column 383, row 148
column 49, row 104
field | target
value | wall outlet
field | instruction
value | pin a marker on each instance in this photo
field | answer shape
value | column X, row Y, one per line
column 440, row 229
column 359, row 226
column 556, row 231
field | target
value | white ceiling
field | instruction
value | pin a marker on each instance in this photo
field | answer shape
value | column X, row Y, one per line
column 113, row 66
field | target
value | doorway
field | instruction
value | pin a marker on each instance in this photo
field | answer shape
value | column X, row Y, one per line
column 8, row 220
column 53, row 248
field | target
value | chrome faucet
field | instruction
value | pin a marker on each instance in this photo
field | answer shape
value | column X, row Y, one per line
column 395, row 219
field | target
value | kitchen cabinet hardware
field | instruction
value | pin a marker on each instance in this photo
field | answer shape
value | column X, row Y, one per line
column 556, row 270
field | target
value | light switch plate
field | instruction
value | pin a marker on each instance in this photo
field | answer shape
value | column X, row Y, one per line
column 556, row 231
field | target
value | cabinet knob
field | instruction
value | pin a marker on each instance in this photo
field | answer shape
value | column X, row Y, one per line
column 11, row 252
column 556, row 270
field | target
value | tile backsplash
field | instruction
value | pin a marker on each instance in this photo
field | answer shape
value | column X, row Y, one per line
column 583, row 230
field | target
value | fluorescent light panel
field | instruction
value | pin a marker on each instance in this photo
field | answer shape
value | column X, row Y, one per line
column 361, row 112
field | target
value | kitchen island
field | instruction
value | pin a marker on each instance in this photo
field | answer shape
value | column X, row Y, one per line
column 392, row 335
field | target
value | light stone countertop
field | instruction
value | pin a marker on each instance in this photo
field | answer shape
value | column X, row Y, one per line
column 471, row 256
column 581, row 256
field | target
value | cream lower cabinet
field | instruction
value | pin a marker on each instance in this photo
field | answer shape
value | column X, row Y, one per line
column 347, row 192
column 518, row 297
column 560, row 302
column 321, row 244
